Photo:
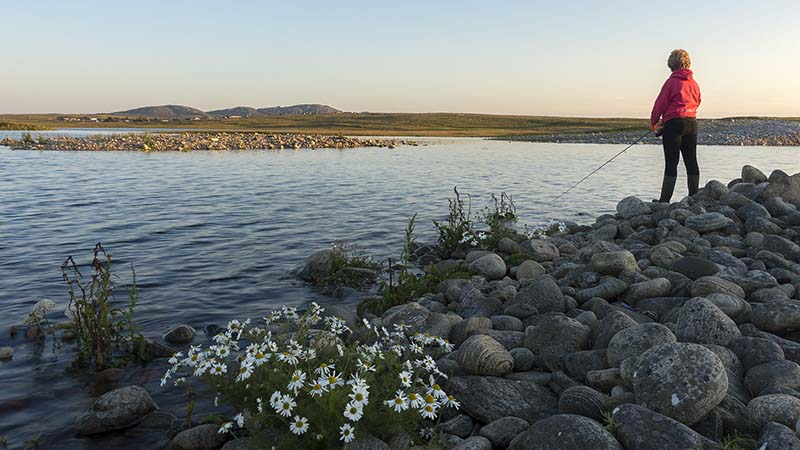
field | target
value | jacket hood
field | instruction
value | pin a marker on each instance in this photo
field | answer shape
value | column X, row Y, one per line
column 683, row 74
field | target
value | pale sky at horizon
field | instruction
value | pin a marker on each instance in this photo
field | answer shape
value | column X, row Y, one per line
column 569, row 58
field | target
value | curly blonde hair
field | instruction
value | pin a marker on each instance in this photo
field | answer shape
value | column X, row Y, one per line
column 679, row 59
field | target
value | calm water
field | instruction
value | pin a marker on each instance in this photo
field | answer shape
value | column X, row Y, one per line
column 213, row 235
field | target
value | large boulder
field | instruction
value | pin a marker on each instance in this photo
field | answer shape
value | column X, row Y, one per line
column 701, row 322
column 565, row 432
column 483, row 355
column 751, row 174
column 315, row 267
column 639, row 428
column 114, row 410
column 680, row 380
column 487, row 399
column 490, row 266
column 635, row 340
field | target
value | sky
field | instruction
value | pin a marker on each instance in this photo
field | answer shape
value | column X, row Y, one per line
column 565, row 58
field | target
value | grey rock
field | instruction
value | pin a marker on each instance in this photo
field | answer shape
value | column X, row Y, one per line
column 707, row 222
column 612, row 263
column 709, row 285
column 680, row 380
column 775, row 436
column 608, row 289
column 200, row 437
column 635, row 340
column 475, row 255
column 715, row 189
column 753, row 351
column 639, row 428
column 6, row 353
column 490, row 266
column 114, row 410
column 565, row 432
column 658, row 287
column 542, row 293
column 242, row 443
column 460, row 425
column 482, row 355
column 776, row 317
column 464, row 329
column 315, row 267
column 632, row 206
column 540, row 249
column 695, row 267
column 609, row 326
column 487, row 399
column 502, row 431
column 752, row 175
column 701, row 322
column 508, row 245
column 181, row 334
column 779, row 373
column 604, row 380
column 529, row 270
column 779, row 408
column 507, row 323
column 367, row 442
column 734, row 307
column 477, row 304
column 578, row 364
column 524, row 359
column 554, row 336
column 474, row 443
column 664, row 257
column 782, row 246
column 584, row 401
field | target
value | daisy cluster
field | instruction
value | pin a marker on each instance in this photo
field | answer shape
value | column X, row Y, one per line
column 287, row 378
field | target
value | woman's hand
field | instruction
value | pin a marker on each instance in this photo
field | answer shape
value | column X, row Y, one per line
column 656, row 127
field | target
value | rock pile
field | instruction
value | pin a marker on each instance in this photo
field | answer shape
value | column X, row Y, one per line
column 661, row 326
column 188, row 141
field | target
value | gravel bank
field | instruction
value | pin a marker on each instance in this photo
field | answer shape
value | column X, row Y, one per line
column 196, row 141
column 739, row 131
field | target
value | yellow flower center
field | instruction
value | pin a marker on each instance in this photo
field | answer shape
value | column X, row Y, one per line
column 412, row 396
column 398, row 401
column 259, row 355
column 429, row 398
column 436, row 387
column 332, row 380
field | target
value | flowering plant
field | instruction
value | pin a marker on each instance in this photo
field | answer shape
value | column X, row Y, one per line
column 297, row 378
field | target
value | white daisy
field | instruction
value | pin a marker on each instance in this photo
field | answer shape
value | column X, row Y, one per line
column 415, row 400
column 437, row 392
column 399, row 403
column 360, row 396
column 353, row 412
column 239, row 419
column 226, row 427
column 405, row 378
column 244, row 371
column 286, row 406
column 275, row 399
column 299, row 425
column 429, row 411
column 297, row 381
column 317, row 389
column 347, row 433
column 219, row 369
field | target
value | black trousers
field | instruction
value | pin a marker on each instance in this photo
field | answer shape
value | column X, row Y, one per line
column 680, row 138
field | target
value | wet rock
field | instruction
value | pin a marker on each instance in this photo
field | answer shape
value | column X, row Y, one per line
column 482, row 355
column 156, row 350
column 181, row 334
column 639, row 428
column 529, row 270
column 708, row 285
column 680, row 380
column 707, row 222
column 695, row 267
column 315, row 267
column 6, row 353
column 118, row 409
column 502, row 431
column 779, row 373
column 487, row 399
column 554, row 336
column 701, row 322
column 612, row 263
column 779, row 408
column 775, row 436
column 632, row 206
column 776, row 317
column 565, row 432
column 490, row 266
column 635, row 340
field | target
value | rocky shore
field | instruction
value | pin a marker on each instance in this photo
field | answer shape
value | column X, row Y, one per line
column 662, row 326
column 190, row 141
column 738, row 132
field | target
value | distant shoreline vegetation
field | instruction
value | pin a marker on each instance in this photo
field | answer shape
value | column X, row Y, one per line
column 21, row 126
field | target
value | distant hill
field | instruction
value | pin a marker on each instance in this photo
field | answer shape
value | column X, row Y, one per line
column 184, row 112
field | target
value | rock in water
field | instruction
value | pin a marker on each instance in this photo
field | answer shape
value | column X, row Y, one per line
column 482, row 355
column 315, row 267
column 115, row 410
column 565, row 432
column 181, row 334
column 6, row 353
column 491, row 266
column 201, row 437
column 701, row 322
column 682, row 381
column 490, row 398
column 632, row 206
column 612, row 263
column 639, row 428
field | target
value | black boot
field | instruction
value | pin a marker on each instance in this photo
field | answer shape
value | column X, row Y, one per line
column 694, row 183
column 667, row 187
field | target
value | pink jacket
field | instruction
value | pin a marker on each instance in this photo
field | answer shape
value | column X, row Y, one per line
column 679, row 97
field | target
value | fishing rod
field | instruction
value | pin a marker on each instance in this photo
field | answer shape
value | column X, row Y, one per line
column 598, row 169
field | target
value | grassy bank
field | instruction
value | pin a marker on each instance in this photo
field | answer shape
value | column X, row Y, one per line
column 367, row 124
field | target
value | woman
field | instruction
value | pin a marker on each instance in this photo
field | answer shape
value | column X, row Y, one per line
column 674, row 116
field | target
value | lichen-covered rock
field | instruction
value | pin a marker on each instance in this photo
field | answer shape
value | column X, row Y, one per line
column 775, row 436
column 701, row 322
column 114, row 410
column 487, row 399
column 753, row 351
column 612, row 263
column 780, row 408
column 680, row 380
column 635, row 340
column 611, row 324
column 482, row 355
column 639, row 428
column 776, row 317
column 779, row 373
column 565, row 432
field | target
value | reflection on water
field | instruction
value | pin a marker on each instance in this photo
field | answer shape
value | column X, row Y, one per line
column 212, row 235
